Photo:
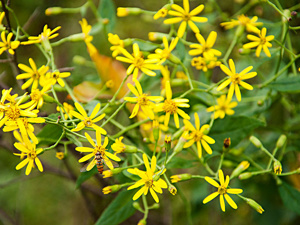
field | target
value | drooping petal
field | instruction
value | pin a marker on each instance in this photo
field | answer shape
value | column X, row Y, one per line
column 38, row 164
column 210, row 197
column 222, row 203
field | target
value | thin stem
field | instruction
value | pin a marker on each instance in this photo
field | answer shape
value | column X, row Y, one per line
column 114, row 114
column 130, row 127
column 278, row 10
column 146, row 209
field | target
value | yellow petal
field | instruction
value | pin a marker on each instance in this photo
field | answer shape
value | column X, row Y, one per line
column 210, row 197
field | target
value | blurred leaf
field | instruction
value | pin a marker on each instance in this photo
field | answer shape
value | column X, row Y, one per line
column 49, row 134
column 181, row 51
column 236, row 128
column 74, row 139
column 107, row 10
column 178, row 162
column 85, row 176
column 286, row 84
column 290, row 197
column 119, row 209
column 146, row 45
column 86, row 91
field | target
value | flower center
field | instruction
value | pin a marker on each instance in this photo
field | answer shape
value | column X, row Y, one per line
column 149, row 183
column 13, row 112
column 138, row 62
column 169, row 106
column 244, row 20
column 186, row 17
column 235, row 79
column 165, row 53
column 100, row 149
column 197, row 135
column 36, row 95
column 88, row 122
column 222, row 190
column 55, row 75
column 143, row 100
column 263, row 40
column 32, row 154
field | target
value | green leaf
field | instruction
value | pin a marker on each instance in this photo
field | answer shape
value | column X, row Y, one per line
column 146, row 45
column 107, row 10
column 49, row 134
column 85, row 176
column 178, row 162
column 235, row 128
column 74, row 139
column 119, row 209
column 286, row 84
column 290, row 197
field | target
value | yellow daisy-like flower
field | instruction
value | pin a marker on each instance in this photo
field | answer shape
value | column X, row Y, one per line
column 55, row 77
column 88, row 121
column 198, row 136
column 261, row 42
column 166, row 77
column 205, row 47
column 164, row 54
column 222, row 108
column 67, row 108
column 244, row 21
column 138, row 62
column 101, row 148
column 186, row 17
column 223, row 191
column 236, row 79
column 86, row 28
column 118, row 146
column 163, row 12
column 117, row 43
column 47, row 34
column 5, row 95
column 171, row 106
column 202, row 63
column 148, row 181
column 142, row 100
column 60, row 155
column 31, row 153
column 36, row 75
column 7, row 44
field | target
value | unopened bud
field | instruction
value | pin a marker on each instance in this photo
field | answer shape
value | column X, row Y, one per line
column 137, row 206
column 260, row 102
column 79, row 60
column 172, row 190
column 277, row 167
column 244, row 51
column 122, row 12
column 48, row 98
column 154, row 206
column 226, row 143
column 155, row 130
column 155, row 36
column 255, row 142
column 281, row 141
column 109, row 84
column 130, row 149
column 111, row 189
column 180, row 144
column 53, row 11
column 110, row 173
column 245, row 176
column 174, row 59
column 254, row 205
column 168, row 143
column 147, row 140
column 142, row 222
column 180, row 177
column 240, row 168
column 76, row 37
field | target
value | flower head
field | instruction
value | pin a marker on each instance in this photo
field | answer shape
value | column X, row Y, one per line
column 142, row 100
column 138, row 63
column 186, row 17
column 244, row 21
column 163, row 12
column 47, row 34
column 223, row 191
column 205, row 63
column 117, row 43
column 118, row 146
column 7, row 44
column 37, row 97
column 55, row 77
column 66, row 109
column 36, row 75
column 222, row 108
column 97, row 147
column 262, row 42
column 236, row 79
column 60, row 155
column 205, row 47
column 30, row 152
column 86, row 28
column 198, row 136
column 148, row 181
column 88, row 121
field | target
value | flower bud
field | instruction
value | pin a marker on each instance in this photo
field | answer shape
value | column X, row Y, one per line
column 180, row 144
column 172, row 190
column 174, row 59
column 130, row 149
column 122, row 12
column 155, row 130
column 281, row 141
column 60, row 155
column 240, row 168
column 156, row 36
column 111, row 189
column 180, row 177
column 142, row 222
column 154, row 206
column 110, row 173
column 137, row 206
column 244, row 51
column 48, row 99
column 53, row 11
column 254, row 205
column 110, row 84
column 277, row 167
column 245, row 176
column 226, row 143
column 255, row 142
column 79, row 60
column 76, row 37
column 168, row 143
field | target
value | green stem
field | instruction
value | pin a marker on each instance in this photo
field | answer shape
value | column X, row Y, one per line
column 289, row 173
column 114, row 114
column 56, row 143
column 231, row 46
column 278, row 10
column 270, row 161
column 131, row 127
column 187, row 74
column 146, row 209
column 268, row 153
column 220, row 164
column 198, row 177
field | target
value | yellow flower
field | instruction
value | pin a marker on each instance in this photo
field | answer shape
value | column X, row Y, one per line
column 67, row 108
column 202, row 63
column 36, row 75
column 55, row 77
column 236, row 79
column 47, row 34
column 166, row 77
column 122, row 12
column 138, row 62
column 170, row 106
column 223, row 191
column 181, row 75
column 142, row 100
column 7, row 44
column 149, row 180
column 186, row 17
column 2, row 14
column 86, row 28
column 244, row 21
column 117, row 43
column 118, row 146
column 163, row 12
column 164, row 54
column 31, row 154
column 88, row 121
column 180, row 177
column 60, row 155
column 223, row 107
column 101, row 148
column 198, row 136
column 261, row 42
column 110, row 84
column 37, row 99
column 5, row 95
column 205, row 47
